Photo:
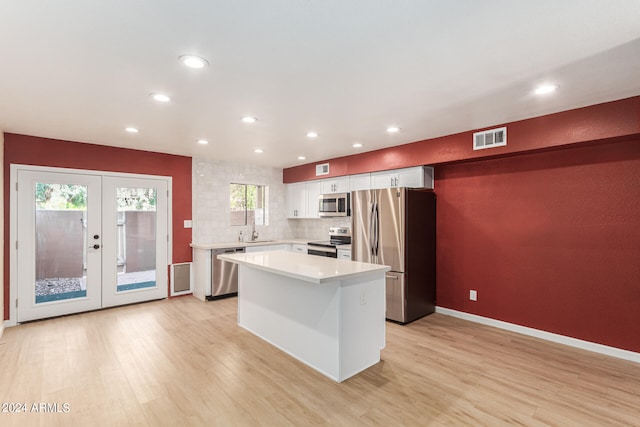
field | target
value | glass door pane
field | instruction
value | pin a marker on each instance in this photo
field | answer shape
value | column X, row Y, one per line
column 61, row 241
column 136, row 225
column 59, row 259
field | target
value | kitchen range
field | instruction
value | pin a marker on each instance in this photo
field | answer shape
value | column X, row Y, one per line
column 329, row 248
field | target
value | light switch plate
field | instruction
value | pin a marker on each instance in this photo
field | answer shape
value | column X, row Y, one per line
column 188, row 223
column 473, row 295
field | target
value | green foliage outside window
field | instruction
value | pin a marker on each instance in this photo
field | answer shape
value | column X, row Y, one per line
column 248, row 204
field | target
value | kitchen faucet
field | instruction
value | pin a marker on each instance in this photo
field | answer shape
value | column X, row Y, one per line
column 254, row 233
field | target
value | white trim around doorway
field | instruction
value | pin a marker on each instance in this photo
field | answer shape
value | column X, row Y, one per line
column 13, row 212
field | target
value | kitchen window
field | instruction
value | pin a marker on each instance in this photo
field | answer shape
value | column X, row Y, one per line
column 249, row 204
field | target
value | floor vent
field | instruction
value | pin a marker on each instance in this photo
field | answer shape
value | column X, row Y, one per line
column 490, row 138
column 181, row 279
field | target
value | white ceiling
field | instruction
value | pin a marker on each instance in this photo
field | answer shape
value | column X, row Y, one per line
column 82, row 70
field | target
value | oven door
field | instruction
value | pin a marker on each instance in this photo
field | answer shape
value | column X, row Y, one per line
column 322, row 251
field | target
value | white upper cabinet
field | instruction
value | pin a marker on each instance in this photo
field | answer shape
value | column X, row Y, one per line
column 296, row 200
column 314, row 190
column 416, row 177
column 335, row 185
column 302, row 199
column 360, row 182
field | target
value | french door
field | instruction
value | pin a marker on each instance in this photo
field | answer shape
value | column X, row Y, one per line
column 88, row 241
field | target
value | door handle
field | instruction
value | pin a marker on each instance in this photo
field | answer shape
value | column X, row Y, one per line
column 388, row 276
column 96, row 246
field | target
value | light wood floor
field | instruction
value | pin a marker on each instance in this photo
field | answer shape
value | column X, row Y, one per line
column 183, row 362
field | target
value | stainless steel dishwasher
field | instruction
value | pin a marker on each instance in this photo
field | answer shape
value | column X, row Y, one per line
column 224, row 275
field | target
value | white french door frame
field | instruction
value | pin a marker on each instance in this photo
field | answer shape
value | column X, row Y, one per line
column 13, row 220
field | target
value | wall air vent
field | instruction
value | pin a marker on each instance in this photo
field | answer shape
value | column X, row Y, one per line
column 490, row 138
column 322, row 169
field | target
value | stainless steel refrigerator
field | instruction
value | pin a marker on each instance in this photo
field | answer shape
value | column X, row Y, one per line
column 397, row 227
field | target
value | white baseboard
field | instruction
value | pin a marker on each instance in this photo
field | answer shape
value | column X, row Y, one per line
column 561, row 339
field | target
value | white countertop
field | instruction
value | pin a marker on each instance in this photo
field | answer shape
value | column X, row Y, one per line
column 259, row 242
column 310, row 268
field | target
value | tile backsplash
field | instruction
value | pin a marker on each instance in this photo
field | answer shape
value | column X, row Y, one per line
column 211, row 179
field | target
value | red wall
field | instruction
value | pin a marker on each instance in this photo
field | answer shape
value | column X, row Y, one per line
column 546, row 229
column 549, row 240
column 612, row 121
column 29, row 150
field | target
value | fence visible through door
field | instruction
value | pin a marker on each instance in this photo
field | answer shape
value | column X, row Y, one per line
column 87, row 241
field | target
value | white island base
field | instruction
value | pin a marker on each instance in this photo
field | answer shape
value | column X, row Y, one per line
column 327, row 313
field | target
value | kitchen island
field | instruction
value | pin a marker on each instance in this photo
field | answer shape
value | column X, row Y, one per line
column 328, row 313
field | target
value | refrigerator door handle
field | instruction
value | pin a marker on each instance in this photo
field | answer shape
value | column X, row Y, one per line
column 376, row 229
column 371, row 228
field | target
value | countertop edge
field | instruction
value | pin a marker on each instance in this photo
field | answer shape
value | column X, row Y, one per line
column 346, row 276
column 225, row 245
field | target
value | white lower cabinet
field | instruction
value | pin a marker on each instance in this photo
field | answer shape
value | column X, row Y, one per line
column 263, row 248
column 344, row 253
column 301, row 249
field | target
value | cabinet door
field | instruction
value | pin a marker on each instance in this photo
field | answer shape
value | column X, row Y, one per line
column 418, row 177
column 344, row 254
column 382, row 179
column 264, row 248
column 342, row 185
column 301, row 249
column 296, row 200
column 313, row 190
column 335, row 185
column 360, row 182
column 327, row 186
column 411, row 177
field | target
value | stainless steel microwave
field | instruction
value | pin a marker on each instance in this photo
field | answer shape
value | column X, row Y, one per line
column 331, row 205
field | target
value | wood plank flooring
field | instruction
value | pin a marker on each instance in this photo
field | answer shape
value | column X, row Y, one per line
column 183, row 362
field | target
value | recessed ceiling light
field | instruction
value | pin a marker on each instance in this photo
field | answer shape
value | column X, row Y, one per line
column 302, row 158
column 249, row 119
column 393, row 129
column 132, row 130
column 203, row 141
column 160, row 97
column 193, row 61
column 312, row 134
column 258, row 150
column 545, row 89
column 357, row 145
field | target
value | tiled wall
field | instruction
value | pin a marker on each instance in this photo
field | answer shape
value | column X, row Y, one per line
column 211, row 179
column 316, row 229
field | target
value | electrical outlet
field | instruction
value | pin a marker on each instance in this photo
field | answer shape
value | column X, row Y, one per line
column 363, row 298
column 473, row 295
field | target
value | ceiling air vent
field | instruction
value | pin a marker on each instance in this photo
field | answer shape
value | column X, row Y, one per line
column 322, row 169
column 490, row 138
